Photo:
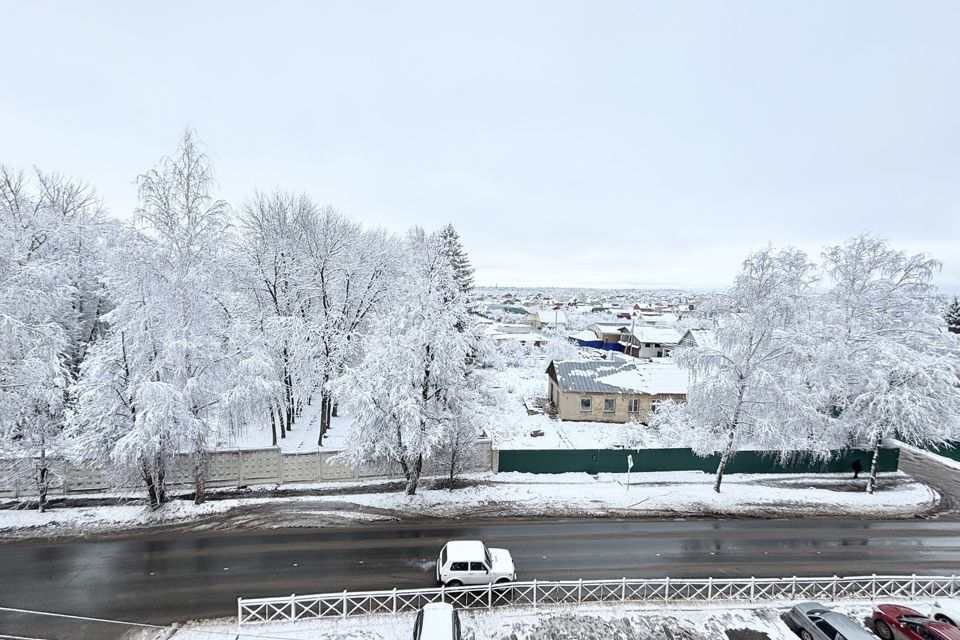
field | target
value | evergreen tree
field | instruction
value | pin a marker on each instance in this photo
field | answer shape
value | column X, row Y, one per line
column 953, row 316
column 462, row 269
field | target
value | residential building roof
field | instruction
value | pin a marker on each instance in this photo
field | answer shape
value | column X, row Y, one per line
column 658, row 335
column 650, row 378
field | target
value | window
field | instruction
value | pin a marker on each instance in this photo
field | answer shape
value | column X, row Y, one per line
column 609, row 405
column 633, row 405
column 458, row 566
column 477, row 566
column 586, row 405
column 655, row 405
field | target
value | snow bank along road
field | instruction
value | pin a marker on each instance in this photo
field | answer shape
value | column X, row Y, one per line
column 178, row 577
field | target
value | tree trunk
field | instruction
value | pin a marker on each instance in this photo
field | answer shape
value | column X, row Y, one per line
column 326, row 407
column 151, row 487
column 200, row 480
column 872, row 481
column 333, row 408
column 283, row 430
column 728, row 450
column 413, row 476
column 42, row 484
column 273, row 426
column 161, row 485
column 724, row 459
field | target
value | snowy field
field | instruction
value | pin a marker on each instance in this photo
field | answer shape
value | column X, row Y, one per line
column 300, row 439
column 714, row 622
column 683, row 493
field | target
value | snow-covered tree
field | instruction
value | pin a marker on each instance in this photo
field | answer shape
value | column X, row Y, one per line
column 50, row 232
column 411, row 389
column 744, row 389
column 176, row 365
column 453, row 249
column 887, row 362
column 953, row 316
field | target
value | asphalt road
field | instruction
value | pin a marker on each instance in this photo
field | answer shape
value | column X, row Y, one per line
column 181, row 577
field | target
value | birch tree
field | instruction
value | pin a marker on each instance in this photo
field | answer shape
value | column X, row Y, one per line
column 745, row 389
column 888, row 362
column 410, row 388
column 176, row 365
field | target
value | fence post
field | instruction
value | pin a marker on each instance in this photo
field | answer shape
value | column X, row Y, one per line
column 534, row 594
column 239, row 468
column 913, row 585
column 666, row 589
column 623, row 589
column 239, row 614
column 873, row 586
column 753, row 584
column 836, row 580
column 710, row 589
column 793, row 589
column 580, row 591
column 489, row 595
column 280, row 451
column 293, row 607
column 344, row 603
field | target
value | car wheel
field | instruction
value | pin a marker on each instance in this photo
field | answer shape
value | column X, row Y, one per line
column 454, row 583
column 502, row 581
column 805, row 634
column 883, row 629
column 942, row 618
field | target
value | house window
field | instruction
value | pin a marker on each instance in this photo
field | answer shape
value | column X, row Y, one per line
column 609, row 405
column 633, row 405
column 586, row 405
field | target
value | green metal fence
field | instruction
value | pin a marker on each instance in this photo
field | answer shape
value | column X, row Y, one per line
column 646, row 460
column 951, row 451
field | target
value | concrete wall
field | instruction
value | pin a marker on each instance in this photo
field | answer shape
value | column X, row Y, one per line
column 243, row 467
column 569, row 407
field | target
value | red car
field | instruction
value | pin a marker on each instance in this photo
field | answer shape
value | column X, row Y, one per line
column 895, row 622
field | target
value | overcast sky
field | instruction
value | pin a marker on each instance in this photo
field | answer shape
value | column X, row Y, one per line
column 582, row 144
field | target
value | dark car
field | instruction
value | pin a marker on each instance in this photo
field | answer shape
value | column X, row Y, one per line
column 896, row 622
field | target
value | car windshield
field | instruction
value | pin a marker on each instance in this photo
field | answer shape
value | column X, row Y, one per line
column 486, row 553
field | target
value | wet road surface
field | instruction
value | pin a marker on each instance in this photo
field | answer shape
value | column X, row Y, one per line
column 181, row 577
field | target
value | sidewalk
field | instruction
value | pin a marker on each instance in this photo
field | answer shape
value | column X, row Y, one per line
column 677, row 494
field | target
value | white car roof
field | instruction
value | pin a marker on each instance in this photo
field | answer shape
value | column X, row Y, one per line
column 437, row 621
column 466, row 551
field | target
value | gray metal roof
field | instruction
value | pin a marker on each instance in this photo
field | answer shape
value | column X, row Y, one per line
column 581, row 377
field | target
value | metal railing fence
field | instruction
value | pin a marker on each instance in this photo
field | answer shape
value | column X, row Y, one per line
column 540, row 592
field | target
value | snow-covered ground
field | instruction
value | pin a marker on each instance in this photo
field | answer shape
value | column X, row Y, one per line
column 635, row 622
column 302, row 438
column 684, row 493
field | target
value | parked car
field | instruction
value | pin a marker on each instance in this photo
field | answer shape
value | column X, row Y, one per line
column 464, row 562
column 814, row 621
column 437, row 621
column 896, row 622
column 946, row 611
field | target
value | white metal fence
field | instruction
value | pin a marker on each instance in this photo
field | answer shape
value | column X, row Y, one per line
column 536, row 593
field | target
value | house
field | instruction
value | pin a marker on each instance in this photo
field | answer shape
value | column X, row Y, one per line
column 610, row 391
column 650, row 342
column 609, row 334
column 704, row 338
column 523, row 334
column 550, row 318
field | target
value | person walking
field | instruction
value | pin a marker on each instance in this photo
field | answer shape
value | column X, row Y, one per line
column 857, row 467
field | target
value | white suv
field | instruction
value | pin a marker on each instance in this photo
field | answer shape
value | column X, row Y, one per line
column 472, row 562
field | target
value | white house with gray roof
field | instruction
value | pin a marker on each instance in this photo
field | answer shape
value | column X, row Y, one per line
column 613, row 391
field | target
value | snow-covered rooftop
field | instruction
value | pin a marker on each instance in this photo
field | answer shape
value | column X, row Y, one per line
column 659, row 335
column 466, row 551
column 650, row 378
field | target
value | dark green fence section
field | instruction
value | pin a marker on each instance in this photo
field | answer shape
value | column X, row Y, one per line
column 644, row 460
column 951, row 451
